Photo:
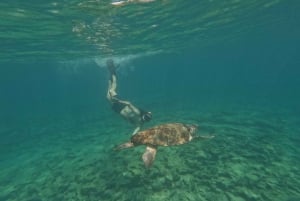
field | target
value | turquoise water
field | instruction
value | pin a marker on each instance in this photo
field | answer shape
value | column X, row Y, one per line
column 232, row 67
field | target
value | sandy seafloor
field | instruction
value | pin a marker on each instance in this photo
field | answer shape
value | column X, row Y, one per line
column 255, row 156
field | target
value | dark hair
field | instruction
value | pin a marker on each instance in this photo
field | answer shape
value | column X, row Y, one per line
column 146, row 116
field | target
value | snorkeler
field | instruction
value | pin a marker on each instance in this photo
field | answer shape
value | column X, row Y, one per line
column 132, row 114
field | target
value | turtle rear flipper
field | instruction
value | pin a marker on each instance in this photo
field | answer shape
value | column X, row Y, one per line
column 149, row 156
column 124, row 146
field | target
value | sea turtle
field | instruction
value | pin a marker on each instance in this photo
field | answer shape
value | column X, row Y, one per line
column 168, row 134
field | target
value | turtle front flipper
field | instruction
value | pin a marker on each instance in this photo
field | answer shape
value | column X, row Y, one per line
column 124, row 146
column 149, row 156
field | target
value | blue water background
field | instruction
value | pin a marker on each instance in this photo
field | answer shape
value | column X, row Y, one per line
column 259, row 71
column 262, row 70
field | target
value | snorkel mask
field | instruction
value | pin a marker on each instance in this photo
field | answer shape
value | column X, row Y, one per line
column 147, row 116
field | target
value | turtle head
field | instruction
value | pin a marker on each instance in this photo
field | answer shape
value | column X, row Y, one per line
column 192, row 128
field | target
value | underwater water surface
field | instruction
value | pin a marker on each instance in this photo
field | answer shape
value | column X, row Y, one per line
column 231, row 67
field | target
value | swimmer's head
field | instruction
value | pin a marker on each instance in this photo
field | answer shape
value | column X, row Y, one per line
column 146, row 116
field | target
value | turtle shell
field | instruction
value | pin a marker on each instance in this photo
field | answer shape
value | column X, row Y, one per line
column 164, row 135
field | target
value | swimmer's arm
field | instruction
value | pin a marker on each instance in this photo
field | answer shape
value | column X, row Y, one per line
column 137, row 111
column 136, row 130
column 134, row 109
column 120, row 101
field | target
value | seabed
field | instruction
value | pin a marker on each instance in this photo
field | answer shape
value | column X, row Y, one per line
column 255, row 156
